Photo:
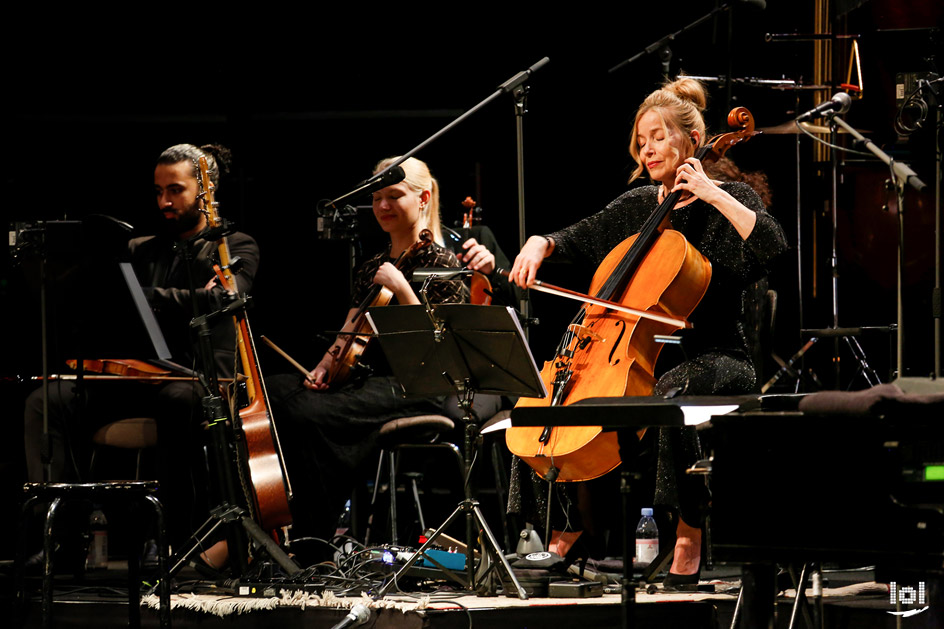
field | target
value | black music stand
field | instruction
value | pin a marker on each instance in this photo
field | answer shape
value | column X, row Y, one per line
column 85, row 295
column 462, row 349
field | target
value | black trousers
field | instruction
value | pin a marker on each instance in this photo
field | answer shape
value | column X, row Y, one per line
column 329, row 439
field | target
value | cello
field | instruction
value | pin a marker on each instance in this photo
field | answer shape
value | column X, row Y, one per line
column 269, row 484
column 610, row 353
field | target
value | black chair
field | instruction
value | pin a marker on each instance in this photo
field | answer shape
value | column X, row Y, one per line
column 420, row 432
column 133, row 493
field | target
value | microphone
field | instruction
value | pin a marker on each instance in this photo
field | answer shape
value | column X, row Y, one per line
column 358, row 615
column 393, row 175
column 386, row 178
column 840, row 103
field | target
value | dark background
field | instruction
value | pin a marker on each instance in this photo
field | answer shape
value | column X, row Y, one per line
column 309, row 103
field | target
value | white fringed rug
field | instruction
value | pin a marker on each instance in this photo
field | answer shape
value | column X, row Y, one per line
column 226, row 605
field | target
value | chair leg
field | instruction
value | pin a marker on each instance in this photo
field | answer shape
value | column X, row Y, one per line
column 49, row 551
column 162, row 552
column 414, row 476
column 135, row 541
column 373, row 499
column 20, row 562
column 137, row 464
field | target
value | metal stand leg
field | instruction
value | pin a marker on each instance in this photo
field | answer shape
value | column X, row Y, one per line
column 393, row 497
column 799, row 601
column 228, row 514
column 864, row 367
column 474, row 517
column 490, row 545
column 627, row 585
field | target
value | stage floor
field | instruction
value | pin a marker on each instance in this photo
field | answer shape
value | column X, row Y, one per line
column 100, row 600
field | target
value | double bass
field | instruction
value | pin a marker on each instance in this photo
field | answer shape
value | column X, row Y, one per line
column 607, row 352
column 269, row 484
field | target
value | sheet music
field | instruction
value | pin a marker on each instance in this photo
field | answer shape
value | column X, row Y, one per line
column 144, row 310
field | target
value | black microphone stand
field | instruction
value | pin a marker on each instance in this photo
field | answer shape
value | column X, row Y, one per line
column 662, row 46
column 841, row 334
column 516, row 86
column 902, row 176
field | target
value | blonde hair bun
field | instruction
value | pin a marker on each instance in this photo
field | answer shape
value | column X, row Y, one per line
column 689, row 90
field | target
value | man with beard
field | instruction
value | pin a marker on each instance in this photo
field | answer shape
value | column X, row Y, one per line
column 161, row 265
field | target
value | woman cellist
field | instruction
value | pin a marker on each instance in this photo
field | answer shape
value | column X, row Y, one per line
column 728, row 224
column 327, row 427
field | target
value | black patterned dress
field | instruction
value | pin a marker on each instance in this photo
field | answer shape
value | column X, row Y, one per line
column 716, row 360
column 328, row 436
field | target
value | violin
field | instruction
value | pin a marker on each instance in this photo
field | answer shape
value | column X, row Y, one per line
column 269, row 484
column 122, row 368
column 480, row 287
column 348, row 354
column 607, row 352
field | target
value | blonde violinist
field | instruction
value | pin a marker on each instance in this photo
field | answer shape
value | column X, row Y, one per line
column 328, row 428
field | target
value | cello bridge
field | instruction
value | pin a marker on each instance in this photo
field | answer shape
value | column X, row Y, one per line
column 584, row 335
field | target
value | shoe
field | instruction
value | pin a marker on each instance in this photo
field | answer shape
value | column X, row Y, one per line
column 36, row 561
column 681, row 582
column 65, row 560
column 149, row 558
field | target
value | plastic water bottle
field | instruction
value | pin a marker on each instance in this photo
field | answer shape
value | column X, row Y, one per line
column 98, row 545
column 647, row 539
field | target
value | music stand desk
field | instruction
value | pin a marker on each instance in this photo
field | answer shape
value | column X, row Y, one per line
column 635, row 412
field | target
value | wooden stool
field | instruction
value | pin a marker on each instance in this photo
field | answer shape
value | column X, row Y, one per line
column 134, row 433
column 417, row 432
column 133, row 492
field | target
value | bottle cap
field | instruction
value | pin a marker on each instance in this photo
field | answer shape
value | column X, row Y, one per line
column 646, row 512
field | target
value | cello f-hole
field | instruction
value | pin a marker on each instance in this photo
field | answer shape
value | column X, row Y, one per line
column 622, row 325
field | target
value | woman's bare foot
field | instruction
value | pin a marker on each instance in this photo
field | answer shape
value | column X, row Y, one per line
column 216, row 555
column 687, row 556
column 561, row 542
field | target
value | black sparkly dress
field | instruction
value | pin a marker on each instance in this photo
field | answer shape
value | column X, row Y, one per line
column 716, row 357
